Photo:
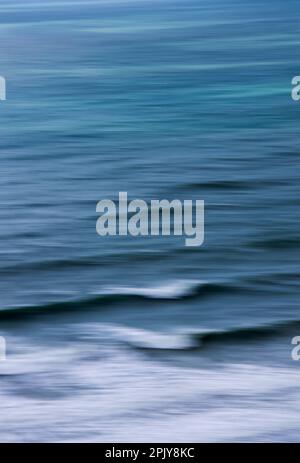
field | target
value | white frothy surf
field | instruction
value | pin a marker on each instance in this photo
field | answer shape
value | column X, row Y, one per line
column 92, row 389
column 169, row 290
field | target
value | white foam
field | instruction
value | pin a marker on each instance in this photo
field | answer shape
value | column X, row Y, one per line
column 152, row 339
column 169, row 290
column 92, row 389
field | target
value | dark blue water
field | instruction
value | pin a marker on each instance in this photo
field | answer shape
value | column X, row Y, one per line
column 122, row 338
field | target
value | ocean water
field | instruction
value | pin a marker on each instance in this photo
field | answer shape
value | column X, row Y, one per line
column 121, row 339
